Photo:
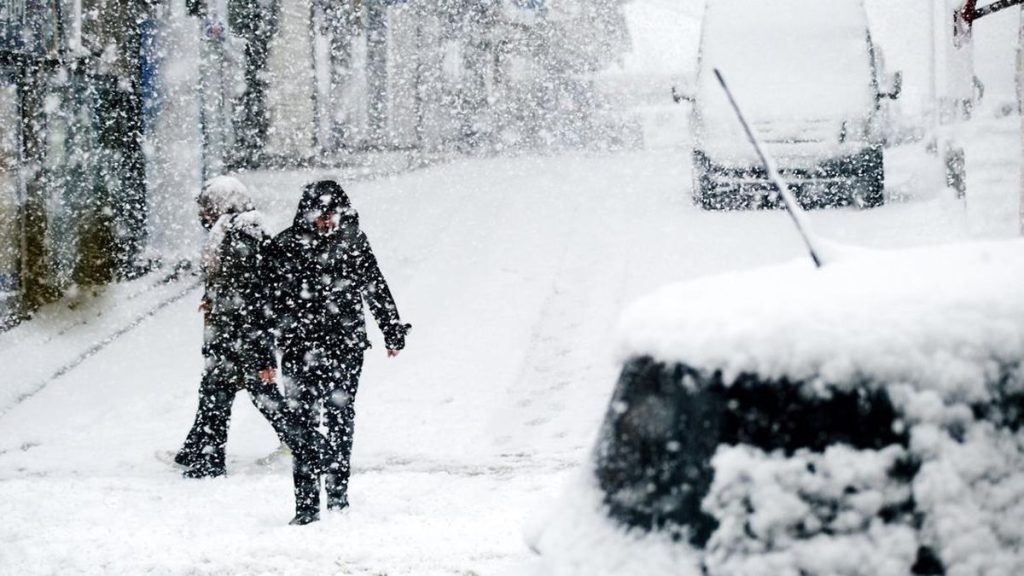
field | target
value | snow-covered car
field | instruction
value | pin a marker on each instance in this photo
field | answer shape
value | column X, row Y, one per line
column 861, row 419
column 809, row 77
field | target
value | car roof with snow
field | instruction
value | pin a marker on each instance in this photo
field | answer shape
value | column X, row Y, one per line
column 942, row 318
column 819, row 64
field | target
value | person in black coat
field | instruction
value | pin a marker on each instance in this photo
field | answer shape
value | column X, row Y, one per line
column 323, row 270
column 238, row 343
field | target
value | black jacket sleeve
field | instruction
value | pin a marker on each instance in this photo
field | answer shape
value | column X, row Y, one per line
column 280, row 291
column 262, row 309
column 378, row 297
column 243, row 298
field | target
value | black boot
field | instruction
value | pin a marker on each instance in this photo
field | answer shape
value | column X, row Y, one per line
column 337, row 492
column 337, row 503
column 185, row 458
column 203, row 470
column 205, row 466
column 307, row 497
column 305, row 517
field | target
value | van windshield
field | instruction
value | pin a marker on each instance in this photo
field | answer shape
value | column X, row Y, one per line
column 788, row 59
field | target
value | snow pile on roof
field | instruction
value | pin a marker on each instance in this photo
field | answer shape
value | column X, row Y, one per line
column 945, row 319
column 791, row 80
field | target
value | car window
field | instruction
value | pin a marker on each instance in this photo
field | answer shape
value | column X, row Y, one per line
column 666, row 421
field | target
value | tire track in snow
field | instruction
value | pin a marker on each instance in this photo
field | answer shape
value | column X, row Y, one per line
column 509, row 466
column 559, row 381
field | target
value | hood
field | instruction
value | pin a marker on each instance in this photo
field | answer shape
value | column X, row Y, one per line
column 227, row 199
column 225, row 195
column 320, row 197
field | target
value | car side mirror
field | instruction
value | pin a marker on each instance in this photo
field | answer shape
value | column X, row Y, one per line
column 895, row 87
column 677, row 97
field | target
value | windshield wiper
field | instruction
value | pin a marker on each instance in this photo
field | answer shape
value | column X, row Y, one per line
column 788, row 199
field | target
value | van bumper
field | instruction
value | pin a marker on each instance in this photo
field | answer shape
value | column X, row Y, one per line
column 856, row 179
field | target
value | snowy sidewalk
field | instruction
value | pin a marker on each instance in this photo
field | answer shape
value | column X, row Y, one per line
column 60, row 336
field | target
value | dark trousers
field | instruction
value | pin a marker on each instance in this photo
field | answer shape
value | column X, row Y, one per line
column 205, row 444
column 330, row 380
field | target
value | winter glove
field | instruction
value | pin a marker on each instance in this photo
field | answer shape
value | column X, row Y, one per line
column 394, row 335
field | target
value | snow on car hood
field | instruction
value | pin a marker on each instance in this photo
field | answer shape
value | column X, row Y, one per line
column 940, row 318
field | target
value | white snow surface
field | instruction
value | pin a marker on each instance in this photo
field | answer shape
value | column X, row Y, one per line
column 577, row 538
column 514, row 272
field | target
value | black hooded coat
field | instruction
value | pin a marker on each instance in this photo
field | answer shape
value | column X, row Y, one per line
column 320, row 281
column 237, row 326
column 238, row 342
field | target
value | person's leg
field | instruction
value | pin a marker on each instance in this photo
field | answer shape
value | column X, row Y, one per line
column 196, row 438
column 307, row 442
column 269, row 401
column 339, row 416
column 190, row 450
column 213, row 418
column 306, row 472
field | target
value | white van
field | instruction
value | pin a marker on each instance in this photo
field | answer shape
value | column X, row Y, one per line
column 807, row 75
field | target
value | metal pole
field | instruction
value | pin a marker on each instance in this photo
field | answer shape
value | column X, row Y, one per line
column 315, row 25
column 933, row 72
column 377, row 70
column 1020, row 107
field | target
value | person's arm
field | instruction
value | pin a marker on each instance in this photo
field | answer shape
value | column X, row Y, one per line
column 248, row 268
column 281, row 278
column 265, row 318
column 378, row 296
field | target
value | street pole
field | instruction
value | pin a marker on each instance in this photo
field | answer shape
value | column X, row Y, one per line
column 377, row 70
column 213, row 120
column 957, row 92
column 318, row 28
column 1020, row 110
column 933, row 71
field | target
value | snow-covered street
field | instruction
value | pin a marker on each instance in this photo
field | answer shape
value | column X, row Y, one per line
column 513, row 272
